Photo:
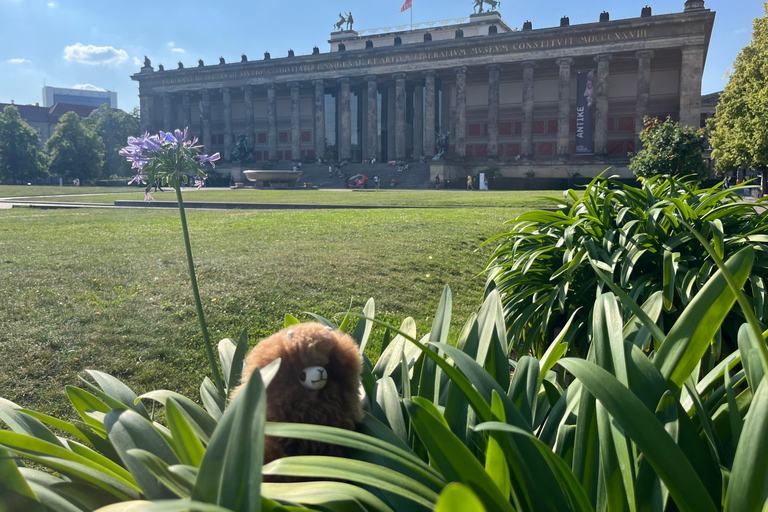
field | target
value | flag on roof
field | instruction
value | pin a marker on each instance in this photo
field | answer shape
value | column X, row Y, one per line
column 407, row 5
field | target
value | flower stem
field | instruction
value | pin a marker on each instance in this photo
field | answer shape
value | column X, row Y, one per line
column 198, row 304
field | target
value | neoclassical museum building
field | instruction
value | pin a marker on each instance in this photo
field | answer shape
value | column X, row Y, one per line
column 557, row 100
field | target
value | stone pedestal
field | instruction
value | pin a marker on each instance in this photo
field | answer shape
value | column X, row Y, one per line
column 429, row 114
column 460, row 144
column 601, row 104
column 526, row 149
column 272, row 123
column 295, row 122
column 564, row 107
column 493, row 110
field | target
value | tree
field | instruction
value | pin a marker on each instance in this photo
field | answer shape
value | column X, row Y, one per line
column 20, row 160
column 76, row 151
column 739, row 130
column 114, row 127
column 669, row 148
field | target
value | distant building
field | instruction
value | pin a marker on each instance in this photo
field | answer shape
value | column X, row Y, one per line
column 45, row 119
column 88, row 97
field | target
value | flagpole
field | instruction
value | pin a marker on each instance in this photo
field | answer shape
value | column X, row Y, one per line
column 411, row 14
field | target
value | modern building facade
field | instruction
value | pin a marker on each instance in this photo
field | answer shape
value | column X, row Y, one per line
column 87, row 97
column 504, row 95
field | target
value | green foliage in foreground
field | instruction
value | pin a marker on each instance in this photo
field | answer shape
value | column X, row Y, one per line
column 548, row 264
column 669, row 149
column 739, row 130
column 446, row 426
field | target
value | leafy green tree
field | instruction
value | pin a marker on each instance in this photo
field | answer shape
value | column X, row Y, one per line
column 739, row 130
column 669, row 148
column 20, row 160
column 114, row 127
column 76, row 151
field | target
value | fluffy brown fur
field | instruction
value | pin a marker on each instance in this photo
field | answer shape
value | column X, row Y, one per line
column 337, row 404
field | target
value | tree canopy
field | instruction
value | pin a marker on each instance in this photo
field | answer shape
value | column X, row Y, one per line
column 669, row 148
column 76, row 151
column 114, row 127
column 20, row 160
column 739, row 130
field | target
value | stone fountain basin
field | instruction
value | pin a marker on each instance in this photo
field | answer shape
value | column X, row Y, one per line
column 272, row 176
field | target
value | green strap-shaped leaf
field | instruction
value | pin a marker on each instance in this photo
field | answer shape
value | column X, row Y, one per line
column 363, row 328
column 647, row 433
column 688, row 340
column 198, row 418
column 83, row 402
column 230, row 472
column 186, row 444
column 158, row 467
column 495, row 460
column 163, row 506
column 15, row 493
column 118, row 390
column 213, row 401
column 459, row 498
column 22, row 423
column 336, row 496
column 388, row 405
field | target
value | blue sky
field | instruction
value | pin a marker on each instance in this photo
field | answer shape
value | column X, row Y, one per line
column 67, row 43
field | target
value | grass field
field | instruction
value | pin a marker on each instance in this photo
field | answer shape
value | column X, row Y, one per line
column 517, row 198
column 108, row 289
column 21, row 190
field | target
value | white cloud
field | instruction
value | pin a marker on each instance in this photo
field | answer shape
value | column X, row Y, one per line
column 51, row 5
column 178, row 50
column 94, row 55
column 171, row 44
column 137, row 62
column 88, row 87
column 18, row 61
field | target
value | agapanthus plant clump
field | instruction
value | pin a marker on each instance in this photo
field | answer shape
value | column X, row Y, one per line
column 172, row 158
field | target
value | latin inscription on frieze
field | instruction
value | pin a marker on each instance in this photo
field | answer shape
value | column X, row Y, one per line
column 429, row 55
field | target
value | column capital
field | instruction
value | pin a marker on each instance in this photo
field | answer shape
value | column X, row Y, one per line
column 493, row 67
column 271, row 86
column 430, row 73
column 343, row 80
column 689, row 49
column 644, row 54
column 564, row 62
column 398, row 76
column 246, row 88
column 460, row 70
column 204, row 93
column 318, row 83
column 225, row 90
column 528, row 64
column 293, row 84
column 371, row 78
column 603, row 57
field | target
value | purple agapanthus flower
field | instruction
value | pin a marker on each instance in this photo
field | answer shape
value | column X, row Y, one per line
column 139, row 179
column 200, row 182
column 202, row 159
column 148, row 197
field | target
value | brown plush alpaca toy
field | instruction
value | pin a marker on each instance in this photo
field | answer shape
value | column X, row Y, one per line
column 318, row 382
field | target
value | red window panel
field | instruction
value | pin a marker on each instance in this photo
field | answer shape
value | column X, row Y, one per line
column 257, row 156
column 261, row 137
column 311, row 153
column 475, row 130
column 615, row 147
column 306, row 136
column 280, row 155
column 288, row 154
column 544, row 149
column 505, row 128
column 518, row 128
column 481, row 150
column 469, row 150
column 538, row 127
column 552, row 126
column 513, row 149
column 627, row 124
column 611, row 124
column 630, row 145
column 284, row 136
column 573, row 125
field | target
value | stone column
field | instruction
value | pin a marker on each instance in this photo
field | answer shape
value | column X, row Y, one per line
column 564, row 107
column 186, row 110
column 460, row 148
column 690, row 86
column 319, row 119
column 250, row 128
column 493, row 110
column 227, row 95
column 372, row 119
column 399, row 116
column 146, row 107
column 391, row 121
column 601, row 104
column 418, row 119
column 272, row 122
column 429, row 114
column 295, row 122
column 526, row 149
column 206, row 120
column 643, row 92
column 167, row 112
column 345, row 121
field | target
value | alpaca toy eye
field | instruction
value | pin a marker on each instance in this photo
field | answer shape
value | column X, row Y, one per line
column 314, row 377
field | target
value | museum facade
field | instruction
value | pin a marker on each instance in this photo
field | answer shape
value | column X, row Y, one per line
column 501, row 93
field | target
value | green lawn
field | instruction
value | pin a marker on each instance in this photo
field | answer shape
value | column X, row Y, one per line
column 516, row 198
column 36, row 190
column 108, row 289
